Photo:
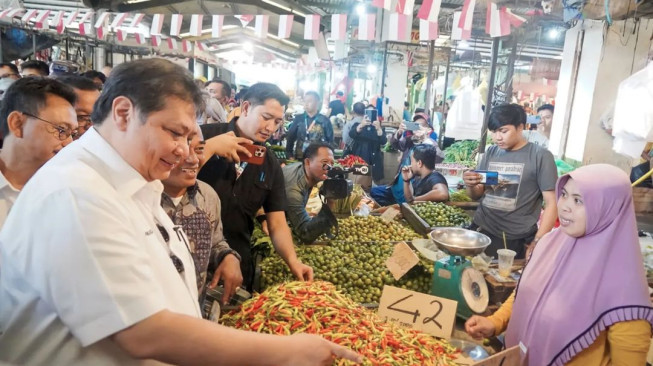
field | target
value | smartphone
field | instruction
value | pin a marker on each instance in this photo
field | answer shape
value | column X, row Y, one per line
column 533, row 120
column 371, row 114
column 258, row 154
column 488, row 177
column 412, row 126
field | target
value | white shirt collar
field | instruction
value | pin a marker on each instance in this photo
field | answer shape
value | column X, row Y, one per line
column 119, row 173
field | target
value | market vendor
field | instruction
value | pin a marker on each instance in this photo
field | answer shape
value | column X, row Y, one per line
column 583, row 298
column 509, row 211
column 420, row 181
column 300, row 179
column 93, row 270
column 243, row 188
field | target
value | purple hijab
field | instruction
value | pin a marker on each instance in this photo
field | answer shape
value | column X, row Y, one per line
column 575, row 288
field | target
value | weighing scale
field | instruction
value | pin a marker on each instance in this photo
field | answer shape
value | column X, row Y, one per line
column 453, row 276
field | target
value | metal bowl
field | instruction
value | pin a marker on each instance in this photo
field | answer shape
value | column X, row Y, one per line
column 470, row 349
column 457, row 241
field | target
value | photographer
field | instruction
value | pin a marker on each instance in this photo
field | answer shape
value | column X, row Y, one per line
column 300, row 179
column 367, row 139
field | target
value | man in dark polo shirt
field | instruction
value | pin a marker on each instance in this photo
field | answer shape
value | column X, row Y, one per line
column 244, row 188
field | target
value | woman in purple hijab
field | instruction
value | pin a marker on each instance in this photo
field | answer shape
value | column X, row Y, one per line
column 583, row 297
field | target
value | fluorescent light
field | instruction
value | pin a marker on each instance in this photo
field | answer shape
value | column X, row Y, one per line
column 276, row 4
column 371, row 68
column 360, row 9
column 553, row 33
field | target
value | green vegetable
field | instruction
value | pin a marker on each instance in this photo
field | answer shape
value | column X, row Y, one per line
column 441, row 215
column 460, row 196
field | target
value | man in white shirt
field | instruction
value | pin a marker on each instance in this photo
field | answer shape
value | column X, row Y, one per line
column 93, row 270
column 37, row 121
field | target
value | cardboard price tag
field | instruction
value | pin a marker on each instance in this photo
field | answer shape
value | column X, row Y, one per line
column 509, row 357
column 401, row 261
column 390, row 214
column 426, row 313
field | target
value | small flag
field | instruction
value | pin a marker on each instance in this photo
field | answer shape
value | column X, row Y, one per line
column 199, row 46
column 118, row 20
column 57, row 21
column 15, row 12
column 86, row 17
column 261, row 26
column 398, row 27
column 338, row 26
column 5, row 12
column 29, row 15
column 385, row 4
column 405, row 6
column 175, row 24
column 100, row 32
column 430, row 10
column 467, row 18
column 84, row 29
column 157, row 24
column 428, row 31
column 196, row 25
column 140, row 38
column 366, row 27
column 285, row 26
column 244, row 19
column 71, row 18
column 101, row 20
column 409, row 58
column 156, row 41
column 186, row 45
column 216, row 27
column 172, row 44
column 496, row 22
column 42, row 18
column 312, row 27
column 121, row 35
column 456, row 31
column 136, row 20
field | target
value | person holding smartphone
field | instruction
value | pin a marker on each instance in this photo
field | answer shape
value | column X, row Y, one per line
column 367, row 139
column 527, row 174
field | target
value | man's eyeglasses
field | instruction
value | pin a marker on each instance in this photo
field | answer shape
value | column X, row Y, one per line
column 84, row 122
column 8, row 76
column 63, row 133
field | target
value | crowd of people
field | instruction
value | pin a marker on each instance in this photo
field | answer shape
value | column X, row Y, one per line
column 109, row 243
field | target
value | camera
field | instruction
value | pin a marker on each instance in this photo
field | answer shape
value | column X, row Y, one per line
column 337, row 186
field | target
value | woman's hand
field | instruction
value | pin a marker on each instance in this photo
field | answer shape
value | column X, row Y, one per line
column 479, row 327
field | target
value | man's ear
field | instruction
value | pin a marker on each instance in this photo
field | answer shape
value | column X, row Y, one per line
column 244, row 108
column 122, row 110
column 16, row 121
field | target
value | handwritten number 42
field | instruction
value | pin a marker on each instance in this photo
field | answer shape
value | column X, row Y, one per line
column 416, row 313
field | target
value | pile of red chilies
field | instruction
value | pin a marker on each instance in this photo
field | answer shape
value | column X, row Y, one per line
column 351, row 160
column 317, row 308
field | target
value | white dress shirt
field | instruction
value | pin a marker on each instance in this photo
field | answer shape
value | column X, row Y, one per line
column 82, row 258
column 8, row 195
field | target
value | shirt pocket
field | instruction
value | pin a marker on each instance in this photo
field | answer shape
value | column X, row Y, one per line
column 255, row 197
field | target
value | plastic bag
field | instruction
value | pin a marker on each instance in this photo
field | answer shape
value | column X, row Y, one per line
column 363, row 211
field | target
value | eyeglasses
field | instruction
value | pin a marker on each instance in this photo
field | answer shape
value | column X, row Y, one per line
column 62, row 132
column 84, row 122
column 179, row 265
column 8, row 76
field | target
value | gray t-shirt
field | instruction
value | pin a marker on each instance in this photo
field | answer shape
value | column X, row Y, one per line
column 513, row 206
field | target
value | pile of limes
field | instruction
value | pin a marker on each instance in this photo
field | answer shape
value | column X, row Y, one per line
column 372, row 229
column 441, row 215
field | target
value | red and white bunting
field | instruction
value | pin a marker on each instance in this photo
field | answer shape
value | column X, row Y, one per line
column 72, row 17
column 57, row 21
column 41, row 19
column 5, row 12
column 172, row 44
column 244, row 19
column 175, row 24
column 428, row 31
column 496, row 22
column 398, row 27
column 367, row 27
column 312, row 27
column 456, row 31
column 100, row 25
column 216, row 26
column 29, row 15
column 385, row 4
column 121, row 35
column 156, row 41
column 157, row 24
column 405, row 6
column 118, row 20
column 140, row 38
column 85, row 29
column 430, row 10
column 86, row 17
column 515, row 20
column 200, row 46
column 15, row 12
column 261, row 26
column 338, row 26
column 136, row 20
column 196, row 25
column 467, row 18
column 285, row 26
column 186, row 45
column 101, row 32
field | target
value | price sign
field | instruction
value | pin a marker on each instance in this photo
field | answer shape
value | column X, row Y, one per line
column 390, row 214
column 401, row 261
column 509, row 357
column 426, row 313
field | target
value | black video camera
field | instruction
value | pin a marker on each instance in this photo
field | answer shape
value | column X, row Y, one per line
column 337, row 186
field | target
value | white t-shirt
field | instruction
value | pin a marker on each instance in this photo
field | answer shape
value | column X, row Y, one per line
column 82, row 258
column 8, row 195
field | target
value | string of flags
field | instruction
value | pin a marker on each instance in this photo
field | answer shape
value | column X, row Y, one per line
column 499, row 21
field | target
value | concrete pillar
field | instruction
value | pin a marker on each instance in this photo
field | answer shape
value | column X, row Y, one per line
column 596, row 59
column 100, row 58
column 396, row 83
